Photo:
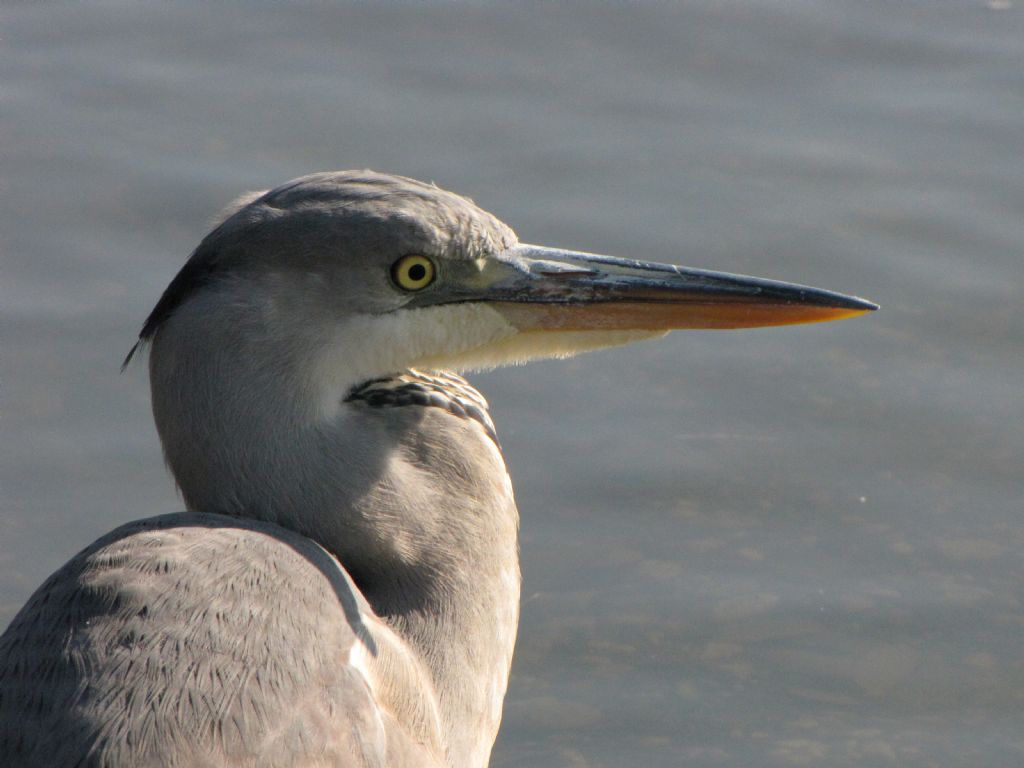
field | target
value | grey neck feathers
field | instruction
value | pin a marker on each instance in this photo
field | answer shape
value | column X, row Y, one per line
column 431, row 389
column 404, row 484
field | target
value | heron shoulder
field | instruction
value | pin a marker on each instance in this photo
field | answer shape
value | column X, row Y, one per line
column 207, row 638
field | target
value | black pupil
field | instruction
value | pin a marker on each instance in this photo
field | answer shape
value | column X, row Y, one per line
column 417, row 272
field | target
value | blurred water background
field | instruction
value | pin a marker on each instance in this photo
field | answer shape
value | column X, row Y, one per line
column 781, row 547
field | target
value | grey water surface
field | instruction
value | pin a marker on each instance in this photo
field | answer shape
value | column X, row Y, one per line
column 782, row 547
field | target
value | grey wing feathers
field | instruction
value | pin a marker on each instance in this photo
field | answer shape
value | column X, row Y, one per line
column 195, row 640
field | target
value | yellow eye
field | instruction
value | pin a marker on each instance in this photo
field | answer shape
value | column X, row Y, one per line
column 413, row 273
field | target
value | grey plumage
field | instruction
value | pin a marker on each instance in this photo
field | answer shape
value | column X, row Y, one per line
column 170, row 641
column 344, row 590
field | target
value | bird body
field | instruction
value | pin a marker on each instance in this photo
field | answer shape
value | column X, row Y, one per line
column 344, row 589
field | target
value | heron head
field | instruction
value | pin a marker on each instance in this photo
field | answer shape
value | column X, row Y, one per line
column 372, row 273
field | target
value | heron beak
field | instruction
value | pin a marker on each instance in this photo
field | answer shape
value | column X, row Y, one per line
column 548, row 289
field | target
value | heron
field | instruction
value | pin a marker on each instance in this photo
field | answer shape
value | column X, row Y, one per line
column 343, row 589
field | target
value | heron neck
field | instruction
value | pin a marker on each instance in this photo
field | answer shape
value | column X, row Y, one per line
column 434, row 548
column 415, row 502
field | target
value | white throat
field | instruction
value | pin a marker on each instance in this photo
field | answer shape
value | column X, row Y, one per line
column 457, row 337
